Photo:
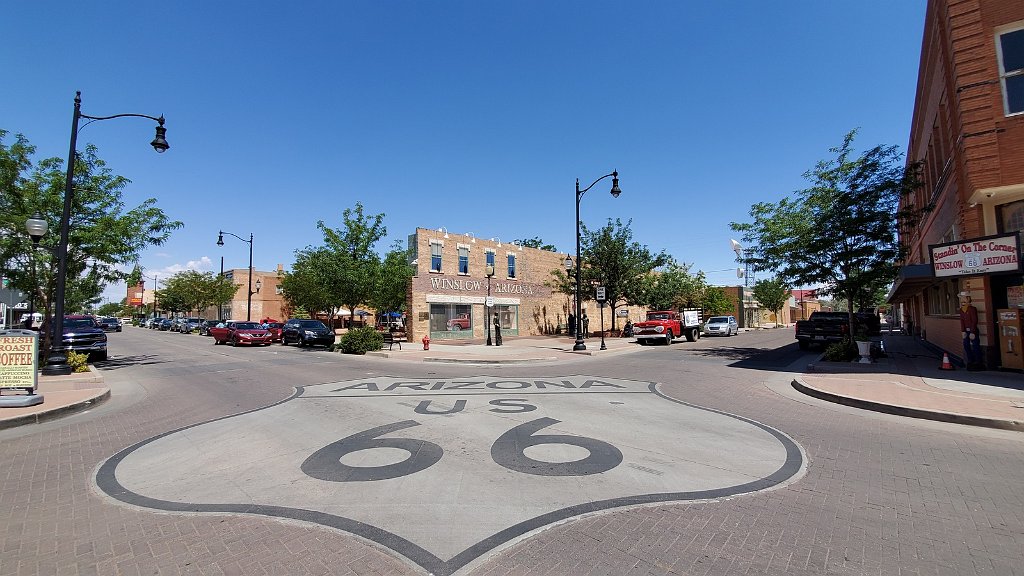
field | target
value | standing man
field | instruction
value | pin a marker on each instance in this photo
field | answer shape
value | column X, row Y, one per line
column 586, row 326
column 497, row 330
column 969, row 331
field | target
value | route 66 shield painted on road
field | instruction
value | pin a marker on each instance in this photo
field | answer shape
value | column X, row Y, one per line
column 444, row 471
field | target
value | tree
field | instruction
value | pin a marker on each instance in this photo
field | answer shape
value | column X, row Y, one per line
column 773, row 294
column 715, row 301
column 562, row 282
column 535, row 242
column 307, row 285
column 612, row 259
column 392, row 282
column 111, row 309
column 194, row 291
column 841, row 232
column 105, row 235
column 356, row 265
column 673, row 287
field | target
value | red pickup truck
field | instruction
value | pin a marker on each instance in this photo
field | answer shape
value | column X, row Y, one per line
column 235, row 333
column 665, row 325
column 460, row 322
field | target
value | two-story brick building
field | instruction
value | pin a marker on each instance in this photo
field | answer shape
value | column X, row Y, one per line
column 968, row 133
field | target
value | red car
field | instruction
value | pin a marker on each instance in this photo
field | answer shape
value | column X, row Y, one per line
column 275, row 330
column 246, row 333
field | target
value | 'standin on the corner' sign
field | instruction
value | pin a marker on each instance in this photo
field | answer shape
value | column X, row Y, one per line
column 977, row 256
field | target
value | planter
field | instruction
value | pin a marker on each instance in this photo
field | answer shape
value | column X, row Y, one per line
column 864, row 349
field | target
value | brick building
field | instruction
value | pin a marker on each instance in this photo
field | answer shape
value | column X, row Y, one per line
column 268, row 302
column 968, row 133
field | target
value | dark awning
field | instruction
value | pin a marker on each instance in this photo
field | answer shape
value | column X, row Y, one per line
column 912, row 280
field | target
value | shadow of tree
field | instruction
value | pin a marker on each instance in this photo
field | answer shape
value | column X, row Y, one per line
column 117, row 362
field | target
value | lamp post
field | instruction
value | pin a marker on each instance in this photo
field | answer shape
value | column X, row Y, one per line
column 57, row 362
column 156, row 286
column 579, row 194
column 248, row 304
column 489, row 271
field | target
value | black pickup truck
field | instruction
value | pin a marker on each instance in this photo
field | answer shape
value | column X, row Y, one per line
column 830, row 327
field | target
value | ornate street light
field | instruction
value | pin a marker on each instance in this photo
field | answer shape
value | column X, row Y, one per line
column 57, row 362
column 489, row 271
column 579, row 194
column 248, row 305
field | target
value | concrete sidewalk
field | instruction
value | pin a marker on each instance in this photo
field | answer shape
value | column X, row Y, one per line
column 61, row 395
column 909, row 382
column 512, row 351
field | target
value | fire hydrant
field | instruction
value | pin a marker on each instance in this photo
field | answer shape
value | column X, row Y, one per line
column 426, row 342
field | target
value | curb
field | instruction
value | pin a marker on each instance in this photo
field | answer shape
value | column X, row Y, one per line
column 489, row 361
column 53, row 413
column 922, row 414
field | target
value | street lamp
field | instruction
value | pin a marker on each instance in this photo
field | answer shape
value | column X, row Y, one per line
column 579, row 194
column 156, row 285
column 36, row 227
column 489, row 271
column 57, row 362
column 248, row 305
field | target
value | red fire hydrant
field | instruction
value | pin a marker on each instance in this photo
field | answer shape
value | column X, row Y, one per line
column 426, row 342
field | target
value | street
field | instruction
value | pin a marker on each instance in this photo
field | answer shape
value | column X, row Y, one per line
column 695, row 458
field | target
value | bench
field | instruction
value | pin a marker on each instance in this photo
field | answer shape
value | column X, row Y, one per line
column 392, row 338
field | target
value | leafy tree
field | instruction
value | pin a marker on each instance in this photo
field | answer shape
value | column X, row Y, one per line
column 773, row 294
column 535, row 242
column 356, row 264
column 105, row 235
column 392, row 282
column 195, row 291
column 673, row 287
column 562, row 282
column 715, row 301
column 841, row 232
column 308, row 285
column 612, row 259
column 111, row 309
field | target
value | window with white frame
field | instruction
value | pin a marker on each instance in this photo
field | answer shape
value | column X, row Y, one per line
column 511, row 265
column 489, row 256
column 464, row 260
column 1010, row 47
column 435, row 256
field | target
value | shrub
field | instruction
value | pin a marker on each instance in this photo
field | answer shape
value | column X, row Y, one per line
column 78, row 362
column 844, row 351
column 361, row 341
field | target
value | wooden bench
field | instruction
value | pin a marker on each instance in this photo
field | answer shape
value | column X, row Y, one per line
column 392, row 338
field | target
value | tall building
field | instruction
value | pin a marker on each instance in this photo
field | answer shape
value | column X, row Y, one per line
column 968, row 135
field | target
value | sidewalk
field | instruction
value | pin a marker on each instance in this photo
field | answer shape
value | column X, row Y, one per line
column 908, row 382
column 61, row 395
column 514, row 350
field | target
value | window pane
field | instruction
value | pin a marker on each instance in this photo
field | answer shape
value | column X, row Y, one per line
column 511, row 265
column 463, row 260
column 451, row 318
column 1015, row 94
column 1012, row 44
column 435, row 257
column 490, row 258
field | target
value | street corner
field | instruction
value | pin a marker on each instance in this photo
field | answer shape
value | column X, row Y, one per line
column 443, row 471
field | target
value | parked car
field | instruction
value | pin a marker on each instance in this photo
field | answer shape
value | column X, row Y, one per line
column 164, row 324
column 275, row 330
column 205, row 325
column 306, row 332
column 236, row 333
column 721, row 326
column 83, row 335
column 460, row 322
column 109, row 324
column 189, row 325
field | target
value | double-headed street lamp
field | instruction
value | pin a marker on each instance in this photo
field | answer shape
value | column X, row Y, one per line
column 248, row 304
column 57, row 363
column 579, row 194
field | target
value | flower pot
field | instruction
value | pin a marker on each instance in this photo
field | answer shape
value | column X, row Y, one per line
column 864, row 349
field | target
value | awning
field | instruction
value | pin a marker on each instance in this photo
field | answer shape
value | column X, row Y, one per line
column 912, row 279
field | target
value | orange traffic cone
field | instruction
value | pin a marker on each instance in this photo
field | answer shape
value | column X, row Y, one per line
column 945, row 363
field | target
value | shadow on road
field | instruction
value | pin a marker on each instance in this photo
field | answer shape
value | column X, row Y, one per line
column 116, row 362
column 776, row 360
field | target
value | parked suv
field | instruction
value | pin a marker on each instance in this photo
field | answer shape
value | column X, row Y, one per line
column 306, row 332
column 721, row 326
column 83, row 335
column 109, row 324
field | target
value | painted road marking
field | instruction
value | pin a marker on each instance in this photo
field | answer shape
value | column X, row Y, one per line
column 443, row 471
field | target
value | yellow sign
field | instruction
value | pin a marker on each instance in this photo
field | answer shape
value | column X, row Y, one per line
column 18, row 359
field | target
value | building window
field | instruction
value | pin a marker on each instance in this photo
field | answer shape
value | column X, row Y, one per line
column 508, row 319
column 1011, row 69
column 435, row 256
column 464, row 260
column 511, row 265
column 943, row 300
column 1011, row 217
column 456, row 318
column 490, row 258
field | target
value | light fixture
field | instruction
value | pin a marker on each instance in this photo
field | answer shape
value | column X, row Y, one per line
column 445, row 230
column 568, row 262
column 259, row 284
column 36, row 227
column 498, row 240
column 472, row 239
column 580, row 345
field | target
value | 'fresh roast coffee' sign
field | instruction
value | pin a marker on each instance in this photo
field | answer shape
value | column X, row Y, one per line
column 977, row 256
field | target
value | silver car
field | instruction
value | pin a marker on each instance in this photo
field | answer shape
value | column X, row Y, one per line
column 721, row 326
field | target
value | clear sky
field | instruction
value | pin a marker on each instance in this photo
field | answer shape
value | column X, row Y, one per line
column 475, row 116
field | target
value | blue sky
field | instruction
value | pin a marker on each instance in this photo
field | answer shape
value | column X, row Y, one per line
column 474, row 116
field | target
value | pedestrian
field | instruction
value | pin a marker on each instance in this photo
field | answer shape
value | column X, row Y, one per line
column 572, row 323
column 586, row 326
column 969, row 331
column 497, row 330
column 627, row 330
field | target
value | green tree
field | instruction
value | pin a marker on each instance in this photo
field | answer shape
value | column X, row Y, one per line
column 715, row 301
column 673, row 287
column 392, row 282
column 105, row 235
column 773, row 294
column 841, row 232
column 307, row 286
column 197, row 291
column 612, row 259
column 535, row 242
column 356, row 264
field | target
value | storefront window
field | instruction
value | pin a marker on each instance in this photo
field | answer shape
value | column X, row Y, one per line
column 942, row 299
column 508, row 318
column 1011, row 217
column 455, row 318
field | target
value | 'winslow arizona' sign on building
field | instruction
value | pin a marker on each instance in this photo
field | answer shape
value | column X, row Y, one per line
column 976, row 256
